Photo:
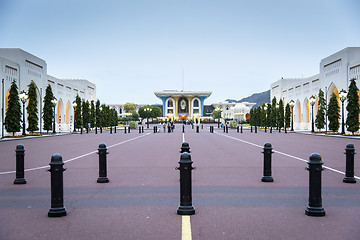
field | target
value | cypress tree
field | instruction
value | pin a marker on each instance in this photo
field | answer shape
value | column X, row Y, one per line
column 263, row 116
column 32, row 109
column 281, row 114
column 78, row 117
column 13, row 112
column 85, row 113
column 48, row 111
column 98, row 114
column 92, row 114
column 268, row 115
column 333, row 113
column 273, row 115
column 352, row 120
column 287, row 116
column 251, row 117
column 320, row 115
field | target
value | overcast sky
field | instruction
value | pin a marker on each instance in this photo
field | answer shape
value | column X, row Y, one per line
column 132, row 48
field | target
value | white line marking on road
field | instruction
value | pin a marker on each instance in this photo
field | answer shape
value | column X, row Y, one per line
column 186, row 228
column 285, row 154
column 81, row 156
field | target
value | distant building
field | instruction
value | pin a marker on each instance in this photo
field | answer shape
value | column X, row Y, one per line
column 238, row 112
column 335, row 72
column 22, row 67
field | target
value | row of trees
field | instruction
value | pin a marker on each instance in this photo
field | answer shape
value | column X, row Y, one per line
column 86, row 113
column 91, row 114
column 271, row 115
column 275, row 115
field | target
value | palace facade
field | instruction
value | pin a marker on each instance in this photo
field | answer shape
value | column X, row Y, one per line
column 335, row 73
column 22, row 67
column 183, row 105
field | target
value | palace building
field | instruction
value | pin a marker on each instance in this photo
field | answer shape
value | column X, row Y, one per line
column 183, row 105
column 335, row 73
column 22, row 67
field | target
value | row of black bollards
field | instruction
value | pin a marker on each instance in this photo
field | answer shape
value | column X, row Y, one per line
column 185, row 207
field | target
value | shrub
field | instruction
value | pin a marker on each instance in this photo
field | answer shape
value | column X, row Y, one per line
column 233, row 124
column 133, row 125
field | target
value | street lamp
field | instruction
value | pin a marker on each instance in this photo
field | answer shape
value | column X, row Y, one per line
column 342, row 96
column 312, row 101
column 147, row 116
column 74, row 105
column 54, row 101
column 292, row 103
column 23, row 97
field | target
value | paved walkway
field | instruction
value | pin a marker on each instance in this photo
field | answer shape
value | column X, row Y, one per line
column 142, row 197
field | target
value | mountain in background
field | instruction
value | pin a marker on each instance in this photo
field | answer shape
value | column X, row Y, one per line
column 258, row 98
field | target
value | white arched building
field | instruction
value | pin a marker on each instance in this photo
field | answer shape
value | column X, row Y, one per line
column 23, row 67
column 336, row 71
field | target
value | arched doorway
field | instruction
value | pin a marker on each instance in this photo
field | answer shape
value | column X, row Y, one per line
column 183, row 108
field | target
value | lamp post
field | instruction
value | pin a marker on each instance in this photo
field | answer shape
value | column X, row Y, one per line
column 54, row 101
column 23, row 97
column 292, row 103
column 74, row 105
column 342, row 96
column 312, row 101
column 147, row 115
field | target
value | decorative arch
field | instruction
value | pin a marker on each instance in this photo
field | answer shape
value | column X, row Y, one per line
column 306, row 114
column 297, row 114
column 60, row 118
column 196, row 106
column 170, row 106
column 332, row 89
column 69, row 114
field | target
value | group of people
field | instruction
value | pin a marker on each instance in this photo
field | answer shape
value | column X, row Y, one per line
column 169, row 125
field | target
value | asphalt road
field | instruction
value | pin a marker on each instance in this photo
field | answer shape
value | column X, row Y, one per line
column 142, row 197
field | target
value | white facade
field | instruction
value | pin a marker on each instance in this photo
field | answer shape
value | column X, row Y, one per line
column 23, row 67
column 335, row 72
column 236, row 111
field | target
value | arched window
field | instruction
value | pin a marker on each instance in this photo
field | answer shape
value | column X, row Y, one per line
column 196, row 103
column 170, row 103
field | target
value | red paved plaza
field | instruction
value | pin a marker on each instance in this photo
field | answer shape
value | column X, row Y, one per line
column 142, row 197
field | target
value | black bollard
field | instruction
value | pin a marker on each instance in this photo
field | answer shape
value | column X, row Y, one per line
column 241, row 129
column 267, row 163
column 57, row 187
column 185, row 147
column 186, row 207
column 314, row 207
column 142, row 129
column 279, row 129
column 202, row 126
column 129, row 129
column 349, row 173
column 110, row 130
column 139, row 129
column 154, row 129
column 183, row 128
column 265, row 129
column 125, row 130
column 255, row 129
column 285, row 130
column 20, row 153
column 100, row 129
column 95, row 130
column 102, row 151
column 197, row 129
column 270, row 129
column 237, row 128
column 227, row 129
column 81, row 131
column 114, row 129
column 251, row 128
column 224, row 128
